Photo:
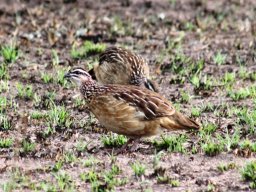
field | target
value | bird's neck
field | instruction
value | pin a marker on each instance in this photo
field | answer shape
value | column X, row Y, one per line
column 90, row 89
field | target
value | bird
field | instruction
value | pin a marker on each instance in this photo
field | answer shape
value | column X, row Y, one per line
column 121, row 66
column 129, row 110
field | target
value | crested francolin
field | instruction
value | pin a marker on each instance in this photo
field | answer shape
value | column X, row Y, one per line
column 127, row 109
column 121, row 66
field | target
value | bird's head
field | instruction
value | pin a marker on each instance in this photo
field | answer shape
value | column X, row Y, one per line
column 79, row 76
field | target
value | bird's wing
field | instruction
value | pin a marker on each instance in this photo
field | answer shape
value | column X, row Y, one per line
column 147, row 102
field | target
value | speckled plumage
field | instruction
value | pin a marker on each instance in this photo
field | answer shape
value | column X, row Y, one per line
column 121, row 66
column 129, row 110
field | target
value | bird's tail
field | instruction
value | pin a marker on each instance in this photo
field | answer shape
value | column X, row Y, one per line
column 179, row 121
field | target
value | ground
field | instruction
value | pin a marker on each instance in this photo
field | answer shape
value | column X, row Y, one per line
column 202, row 53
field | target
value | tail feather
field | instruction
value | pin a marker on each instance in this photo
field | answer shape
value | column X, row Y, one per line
column 179, row 121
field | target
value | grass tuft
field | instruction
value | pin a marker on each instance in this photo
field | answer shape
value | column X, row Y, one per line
column 249, row 174
column 88, row 48
column 171, row 143
column 4, row 71
column 5, row 123
column 212, row 149
column 10, row 53
column 27, row 147
column 25, row 91
column 6, row 142
column 114, row 140
column 222, row 167
column 138, row 169
column 167, row 180
column 219, row 58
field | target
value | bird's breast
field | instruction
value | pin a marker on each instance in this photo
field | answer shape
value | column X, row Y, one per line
column 123, row 119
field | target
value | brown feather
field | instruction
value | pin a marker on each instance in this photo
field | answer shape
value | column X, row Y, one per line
column 135, row 112
column 129, row 110
column 179, row 121
column 121, row 66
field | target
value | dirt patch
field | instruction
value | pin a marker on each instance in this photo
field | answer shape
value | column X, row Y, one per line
column 202, row 54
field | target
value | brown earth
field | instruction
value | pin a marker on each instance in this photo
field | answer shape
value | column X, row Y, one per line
column 196, row 29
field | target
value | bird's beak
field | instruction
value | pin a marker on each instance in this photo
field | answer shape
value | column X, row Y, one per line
column 151, row 85
column 67, row 76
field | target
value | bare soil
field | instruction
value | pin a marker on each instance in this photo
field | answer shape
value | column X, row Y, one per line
column 198, row 29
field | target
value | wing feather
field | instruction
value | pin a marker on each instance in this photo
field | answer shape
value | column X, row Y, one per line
column 150, row 103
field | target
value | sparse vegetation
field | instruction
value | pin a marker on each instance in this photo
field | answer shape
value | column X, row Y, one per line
column 171, row 143
column 6, row 142
column 202, row 54
column 249, row 174
column 219, row 58
column 185, row 97
column 5, row 123
column 88, row 48
column 27, row 146
column 101, row 181
column 46, row 78
column 55, row 58
column 60, row 77
column 58, row 165
column 167, row 180
column 138, row 169
column 3, row 85
column 10, row 53
column 113, row 140
column 25, row 92
column 195, row 112
column 59, row 117
column 209, row 128
column 3, row 71
column 223, row 168
column 211, row 148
